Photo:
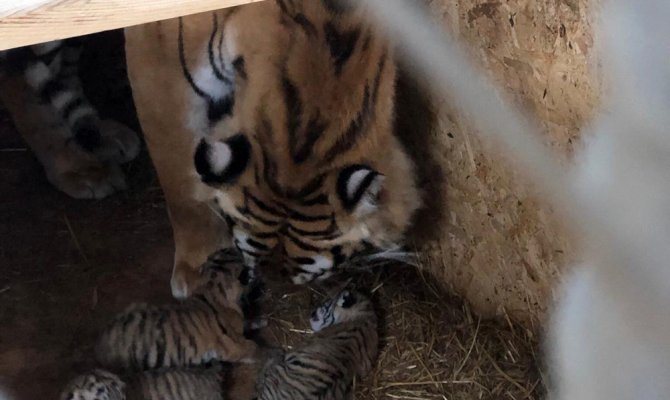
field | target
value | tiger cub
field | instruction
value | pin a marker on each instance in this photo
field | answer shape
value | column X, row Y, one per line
column 345, row 346
column 208, row 326
column 174, row 384
column 95, row 385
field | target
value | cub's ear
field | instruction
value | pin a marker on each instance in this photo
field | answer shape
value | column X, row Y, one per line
column 222, row 162
column 358, row 187
column 347, row 299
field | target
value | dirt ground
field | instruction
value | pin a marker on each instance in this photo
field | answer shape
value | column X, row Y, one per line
column 66, row 266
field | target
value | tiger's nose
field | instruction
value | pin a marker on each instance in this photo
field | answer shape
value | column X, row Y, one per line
column 317, row 264
column 302, row 261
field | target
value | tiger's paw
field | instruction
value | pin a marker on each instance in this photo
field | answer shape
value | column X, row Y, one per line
column 249, row 351
column 89, row 180
column 118, row 143
column 184, row 280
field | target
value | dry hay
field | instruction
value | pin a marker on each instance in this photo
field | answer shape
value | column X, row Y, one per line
column 432, row 346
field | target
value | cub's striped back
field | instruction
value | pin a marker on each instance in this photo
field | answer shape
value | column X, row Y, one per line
column 178, row 384
column 345, row 345
column 205, row 327
column 293, row 102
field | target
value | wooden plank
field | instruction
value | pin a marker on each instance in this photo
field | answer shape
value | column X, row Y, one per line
column 24, row 22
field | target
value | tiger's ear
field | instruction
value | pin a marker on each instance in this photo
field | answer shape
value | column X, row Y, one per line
column 222, row 162
column 358, row 187
column 347, row 299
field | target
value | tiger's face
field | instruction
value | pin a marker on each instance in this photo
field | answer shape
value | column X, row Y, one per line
column 96, row 385
column 304, row 164
column 348, row 305
column 314, row 229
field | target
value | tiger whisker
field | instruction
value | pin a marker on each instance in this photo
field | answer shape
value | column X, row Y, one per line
column 216, row 212
column 400, row 256
column 382, row 258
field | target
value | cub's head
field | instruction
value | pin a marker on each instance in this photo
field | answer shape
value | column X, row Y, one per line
column 220, row 278
column 306, row 166
column 347, row 306
column 95, row 385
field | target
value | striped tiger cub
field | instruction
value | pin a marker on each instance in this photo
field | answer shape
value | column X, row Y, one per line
column 171, row 384
column 208, row 326
column 293, row 104
column 345, row 345
column 95, row 385
column 80, row 152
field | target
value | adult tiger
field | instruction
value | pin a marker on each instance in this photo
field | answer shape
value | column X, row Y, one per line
column 288, row 107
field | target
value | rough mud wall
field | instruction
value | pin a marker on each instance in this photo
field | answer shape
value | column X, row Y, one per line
column 485, row 232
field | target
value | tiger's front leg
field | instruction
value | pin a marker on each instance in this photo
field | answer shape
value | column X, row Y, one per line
column 160, row 95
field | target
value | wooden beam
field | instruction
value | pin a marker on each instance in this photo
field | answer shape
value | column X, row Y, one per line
column 25, row 22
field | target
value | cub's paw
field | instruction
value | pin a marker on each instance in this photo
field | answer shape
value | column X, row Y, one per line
column 118, row 143
column 89, row 181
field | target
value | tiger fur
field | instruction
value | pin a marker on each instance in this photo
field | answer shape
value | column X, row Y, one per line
column 207, row 327
column 285, row 109
column 178, row 385
column 169, row 384
column 344, row 346
column 80, row 152
column 95, row 385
